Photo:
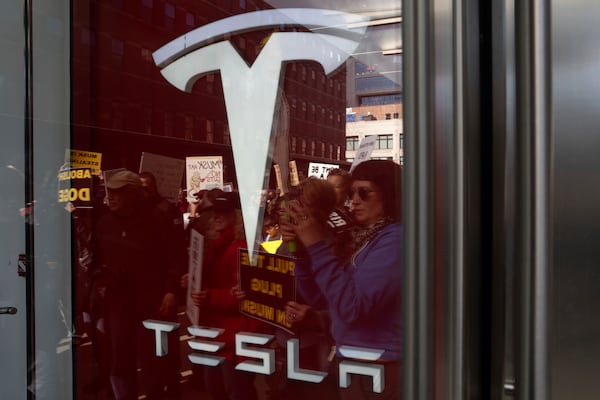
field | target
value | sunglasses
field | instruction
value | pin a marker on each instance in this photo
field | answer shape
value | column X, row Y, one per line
column 363, row 193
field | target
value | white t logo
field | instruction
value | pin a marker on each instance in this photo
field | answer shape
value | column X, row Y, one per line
column 251, row 91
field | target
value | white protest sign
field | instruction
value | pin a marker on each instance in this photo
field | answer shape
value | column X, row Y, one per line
column 320, row 170
column 194, row 274
column 168, row 172
column 203, row 173
column 364, row 150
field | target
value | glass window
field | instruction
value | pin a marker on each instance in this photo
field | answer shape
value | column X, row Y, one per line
column 384, row 142
column 190, row 20
column 180, row 114
column 352, row 143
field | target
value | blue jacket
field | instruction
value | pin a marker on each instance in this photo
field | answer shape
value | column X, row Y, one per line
column 363, row 297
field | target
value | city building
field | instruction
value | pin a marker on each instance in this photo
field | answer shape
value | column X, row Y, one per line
column 383, row 121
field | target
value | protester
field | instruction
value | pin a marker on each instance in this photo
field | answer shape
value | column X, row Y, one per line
column 218, row 305
column 272, row 239
column 341, row 180
column 362, row 294
column 340, row 220
column 310, row 325
column 133, row 269
column 175, row 247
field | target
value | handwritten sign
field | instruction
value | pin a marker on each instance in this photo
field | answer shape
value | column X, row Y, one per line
column 168, row 172
column 269, row 284
column 320, row 170
column 364, row 151
column 203, row 173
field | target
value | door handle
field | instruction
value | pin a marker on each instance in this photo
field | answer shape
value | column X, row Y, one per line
column 8, row 310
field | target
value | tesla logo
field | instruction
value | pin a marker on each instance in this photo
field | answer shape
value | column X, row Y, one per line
column 251, row 91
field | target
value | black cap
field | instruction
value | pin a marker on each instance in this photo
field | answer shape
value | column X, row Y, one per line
column 225, row 202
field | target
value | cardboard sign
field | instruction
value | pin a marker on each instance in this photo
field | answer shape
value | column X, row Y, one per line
column 320, row 170
column 194, row 274
column 364, row 150
column 168, row 172
column 294, row 178
column 203, row 173
column 269, row 284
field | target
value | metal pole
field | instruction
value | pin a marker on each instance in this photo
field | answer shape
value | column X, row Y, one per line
column 417, row 192
column 29, row 200
column 534, row 141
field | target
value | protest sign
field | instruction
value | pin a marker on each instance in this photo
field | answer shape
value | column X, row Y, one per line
column 364, row 151
column 203, row 173
column 75, row 187
column 84, row 159
column 194, row 274
column 320, row 170
column 168, row 172
column 294, row 177
column 269, row 284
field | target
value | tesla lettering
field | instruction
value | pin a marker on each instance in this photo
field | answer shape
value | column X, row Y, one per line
column 265, row 357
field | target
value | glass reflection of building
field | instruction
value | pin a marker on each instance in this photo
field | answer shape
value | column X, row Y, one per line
column 122, row 106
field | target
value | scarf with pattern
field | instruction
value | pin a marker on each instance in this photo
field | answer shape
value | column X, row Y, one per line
column 362, row 235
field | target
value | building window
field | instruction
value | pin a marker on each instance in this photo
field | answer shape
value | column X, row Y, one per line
column 169, row 16
column 170, row 10
column 210, row 84
column 401, row 140
column 352, row 143
column 226, row 136
column 189, row 127
column 396, row 115
column 374, row 83
column 293, row 145
column 380, row 100
column 388, row 116
column 312, row 147
column 242, row 4
column 209, row 131
column 147, row 6
column 169, row 124
column 303, row 146
column 384, row 142
column 117, row 50
column 148, row 120
column 190, row 20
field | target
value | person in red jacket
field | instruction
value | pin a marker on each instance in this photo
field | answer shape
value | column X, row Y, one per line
column 219, row 308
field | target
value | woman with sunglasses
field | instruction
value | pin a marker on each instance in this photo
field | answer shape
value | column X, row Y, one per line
column 363, row 293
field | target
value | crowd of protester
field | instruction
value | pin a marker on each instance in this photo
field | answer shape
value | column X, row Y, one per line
column 345, row 235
